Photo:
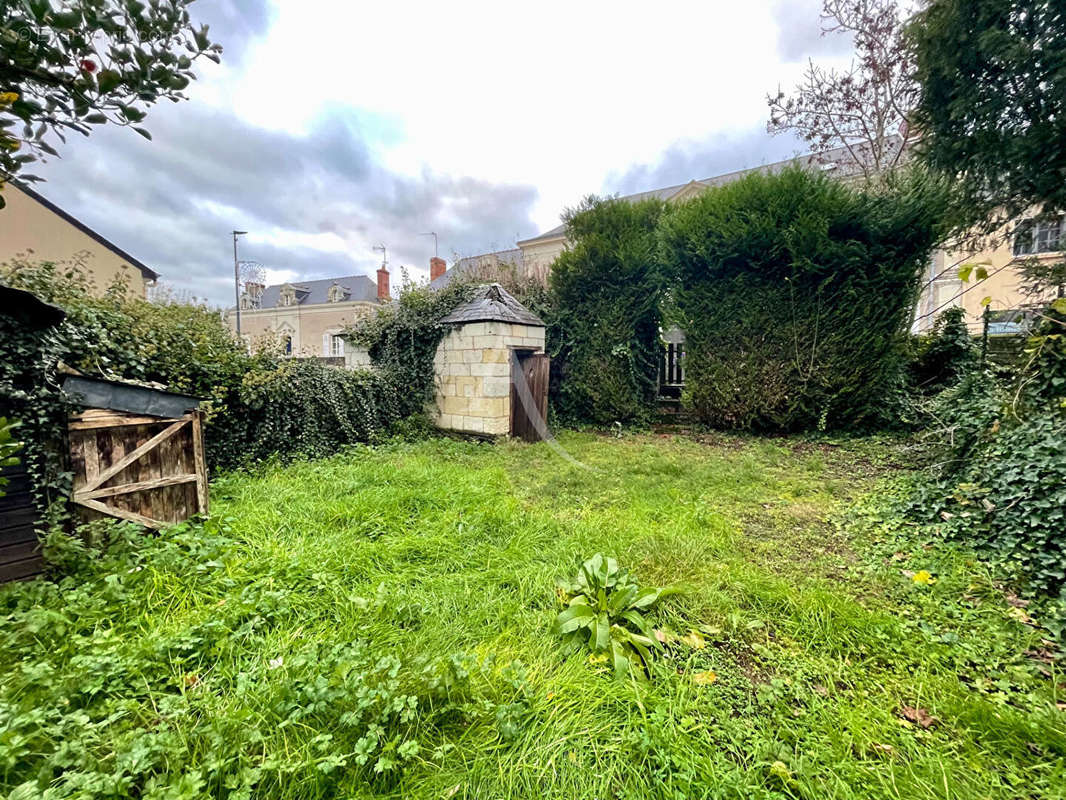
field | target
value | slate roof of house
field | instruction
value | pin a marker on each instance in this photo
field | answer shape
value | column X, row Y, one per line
column 839, row 161
column 493, row 303
column 309, row 293
column 470, row 263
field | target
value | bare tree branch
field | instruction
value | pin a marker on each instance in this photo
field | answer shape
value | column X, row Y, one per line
column 863, row 110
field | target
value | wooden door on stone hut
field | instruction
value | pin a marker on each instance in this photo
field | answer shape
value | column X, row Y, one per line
column 529, row 395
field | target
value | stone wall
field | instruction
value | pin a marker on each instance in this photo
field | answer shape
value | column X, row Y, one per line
column 473, row 375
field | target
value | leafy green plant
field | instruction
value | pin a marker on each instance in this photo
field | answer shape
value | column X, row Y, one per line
column 86, row 63
column 402, row 338
column 605, row 610
column 999, row 477
column 945, row 355
column 9, row 445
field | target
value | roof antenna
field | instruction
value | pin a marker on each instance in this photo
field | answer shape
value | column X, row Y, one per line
column 384, row 255
column 434, row 235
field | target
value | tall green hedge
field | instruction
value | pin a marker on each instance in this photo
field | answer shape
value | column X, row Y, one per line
column 603, row 332
column 795, row 293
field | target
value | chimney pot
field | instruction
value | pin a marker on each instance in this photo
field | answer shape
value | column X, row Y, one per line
column 437, row 267
column 383, row 285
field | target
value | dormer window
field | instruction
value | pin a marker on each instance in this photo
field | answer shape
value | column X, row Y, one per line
column 287, row 296
column 337, row 294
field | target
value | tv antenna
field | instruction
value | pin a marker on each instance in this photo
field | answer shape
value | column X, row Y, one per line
column 434, row 235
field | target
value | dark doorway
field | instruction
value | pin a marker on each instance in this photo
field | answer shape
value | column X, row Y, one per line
column 529, row 395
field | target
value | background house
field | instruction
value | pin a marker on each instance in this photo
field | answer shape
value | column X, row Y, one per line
column 1002, row 256
column 487, row 268
column 33, row 226
column 307, row 317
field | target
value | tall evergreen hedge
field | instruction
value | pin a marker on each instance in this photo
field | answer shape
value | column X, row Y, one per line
column 603, row 330
column 795, row 293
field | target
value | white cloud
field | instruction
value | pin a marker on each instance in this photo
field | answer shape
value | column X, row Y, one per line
column 331, row 127
column 557, row 94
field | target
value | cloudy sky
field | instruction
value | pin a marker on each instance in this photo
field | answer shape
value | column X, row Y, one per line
column 332, row 127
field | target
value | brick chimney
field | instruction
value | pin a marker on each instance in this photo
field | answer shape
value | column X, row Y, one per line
column 437, row 267
column 383, row 284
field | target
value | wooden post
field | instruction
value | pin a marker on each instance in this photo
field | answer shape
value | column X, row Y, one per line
column 984, row 335
column 201, row 462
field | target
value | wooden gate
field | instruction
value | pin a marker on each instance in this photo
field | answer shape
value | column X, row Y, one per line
column 529, row 396
column 145, row 469
column 671, row 370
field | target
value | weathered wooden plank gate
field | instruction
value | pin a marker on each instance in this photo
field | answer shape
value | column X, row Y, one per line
column 145, row 469
column 529, row 396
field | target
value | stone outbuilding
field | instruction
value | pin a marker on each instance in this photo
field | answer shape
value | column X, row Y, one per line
column 473, row 363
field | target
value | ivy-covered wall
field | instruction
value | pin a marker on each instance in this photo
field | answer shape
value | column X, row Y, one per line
column 256, row 405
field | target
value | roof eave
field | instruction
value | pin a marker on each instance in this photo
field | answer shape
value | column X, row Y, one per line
column 491, row 318
column 542, row 239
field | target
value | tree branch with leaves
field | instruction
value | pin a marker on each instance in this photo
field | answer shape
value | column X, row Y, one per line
column 88, row 63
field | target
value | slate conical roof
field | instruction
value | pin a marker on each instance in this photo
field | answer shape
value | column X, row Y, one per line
column 493, row 303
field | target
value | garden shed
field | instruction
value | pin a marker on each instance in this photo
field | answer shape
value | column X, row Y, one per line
column 491, row 372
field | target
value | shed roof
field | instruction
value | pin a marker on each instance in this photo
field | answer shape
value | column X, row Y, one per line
column 493, row 303
column 127, row 396
column 29, row 309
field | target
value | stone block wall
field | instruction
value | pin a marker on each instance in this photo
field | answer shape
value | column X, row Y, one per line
column 472, row 370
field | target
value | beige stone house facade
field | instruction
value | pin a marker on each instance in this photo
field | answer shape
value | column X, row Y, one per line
column 307, row 318
column 1001, row 255
column 34, row 227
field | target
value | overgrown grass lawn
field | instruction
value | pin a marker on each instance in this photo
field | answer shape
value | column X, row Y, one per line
column 378, row 623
